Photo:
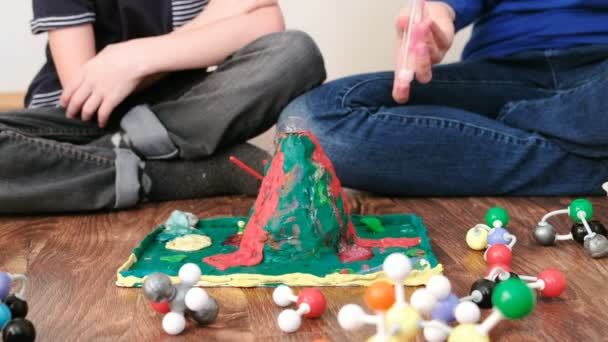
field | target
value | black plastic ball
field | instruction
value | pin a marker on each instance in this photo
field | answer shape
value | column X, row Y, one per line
column 579, row 232
column 19, row 330
column 485, row 287
column 17, row 306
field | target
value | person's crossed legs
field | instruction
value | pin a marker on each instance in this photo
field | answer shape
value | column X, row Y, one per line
column 181, row 143
column 449, row 140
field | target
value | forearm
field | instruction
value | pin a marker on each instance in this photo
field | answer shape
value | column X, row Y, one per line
column 71, row 48
column 208, row 45
column 217, row 10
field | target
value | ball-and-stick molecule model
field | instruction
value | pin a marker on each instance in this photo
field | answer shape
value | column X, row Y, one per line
column 494, row 232
column 310, row 303
column 591, row 234
column 175, row 302
column 433, row 307
column 551, row 283
column 512, row 299
column 380, row 297
column 13, row 310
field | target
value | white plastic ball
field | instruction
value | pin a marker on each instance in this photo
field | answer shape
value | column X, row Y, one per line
column 289, row 321
column 190, row 274
column 439, row 286
column 467, row 312
column 397, row 267
column 174, row 323
column 434, row 334
column 351, row 317
column 423, row 301
column 196, row 299
column 282, row 296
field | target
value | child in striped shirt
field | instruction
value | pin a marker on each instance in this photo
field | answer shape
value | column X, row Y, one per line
column 127, row 109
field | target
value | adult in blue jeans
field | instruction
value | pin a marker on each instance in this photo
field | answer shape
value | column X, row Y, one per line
column 524, row 113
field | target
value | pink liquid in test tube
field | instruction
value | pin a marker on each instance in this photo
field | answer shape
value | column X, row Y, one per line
column 407, row 67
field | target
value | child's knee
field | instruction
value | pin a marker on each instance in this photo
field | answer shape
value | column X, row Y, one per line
column 293, row 56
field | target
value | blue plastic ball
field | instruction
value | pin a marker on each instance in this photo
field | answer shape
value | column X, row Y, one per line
column 497, row 237
column 444, row 310
column 5, row 285
column 5, row 315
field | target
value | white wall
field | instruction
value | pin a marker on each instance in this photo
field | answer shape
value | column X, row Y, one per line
column 355, row 37
column 21, row 54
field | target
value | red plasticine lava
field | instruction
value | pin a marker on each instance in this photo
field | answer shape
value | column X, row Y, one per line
column 251, row 250
column 336, row 190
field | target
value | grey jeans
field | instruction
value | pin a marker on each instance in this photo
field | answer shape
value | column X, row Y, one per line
column 51, row 164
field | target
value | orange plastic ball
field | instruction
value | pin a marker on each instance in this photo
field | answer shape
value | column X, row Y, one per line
column 380, row 296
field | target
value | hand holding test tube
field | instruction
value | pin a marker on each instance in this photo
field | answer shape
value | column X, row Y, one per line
column 426, row 32
column 407, row 66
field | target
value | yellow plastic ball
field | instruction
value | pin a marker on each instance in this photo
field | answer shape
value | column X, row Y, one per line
column 467, row 333
column 477, row 238
column 378, row 339
column 406, row 318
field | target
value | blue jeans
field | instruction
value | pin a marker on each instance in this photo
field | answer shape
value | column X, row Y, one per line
column 528, row 124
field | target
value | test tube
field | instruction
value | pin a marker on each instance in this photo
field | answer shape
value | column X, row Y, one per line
column 407, row 67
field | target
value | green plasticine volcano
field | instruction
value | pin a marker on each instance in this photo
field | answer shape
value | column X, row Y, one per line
column 300, row 232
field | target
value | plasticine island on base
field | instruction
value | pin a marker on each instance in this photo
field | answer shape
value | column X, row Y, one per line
column 300, row 232
column 325, row 271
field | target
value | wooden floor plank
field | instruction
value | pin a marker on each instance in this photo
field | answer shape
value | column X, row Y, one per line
column 72, row 261
column 11, row 101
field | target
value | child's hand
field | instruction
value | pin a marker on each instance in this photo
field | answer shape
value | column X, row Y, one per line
column 437, row 30
column 104, row 82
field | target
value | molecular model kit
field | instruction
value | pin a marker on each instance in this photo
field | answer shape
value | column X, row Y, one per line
column 591, row 234
column 177, row 302
column 432, row 308
column 13, row 310
column 498, row 244
column 435, row 309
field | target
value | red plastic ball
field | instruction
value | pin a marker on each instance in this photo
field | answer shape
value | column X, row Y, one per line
column 315, row 299
column 162, row 307
column 499, row 254
column 555, row 283
column 506, row 268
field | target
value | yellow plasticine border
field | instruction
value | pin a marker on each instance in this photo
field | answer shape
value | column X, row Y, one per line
column 416, row 278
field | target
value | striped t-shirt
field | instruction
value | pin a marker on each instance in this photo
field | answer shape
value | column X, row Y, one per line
column 113, row 21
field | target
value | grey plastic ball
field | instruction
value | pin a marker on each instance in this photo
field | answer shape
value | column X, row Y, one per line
column 178, row 304
column 545, row 234
column 597, row 246
column 158, row 288
column 207, row 314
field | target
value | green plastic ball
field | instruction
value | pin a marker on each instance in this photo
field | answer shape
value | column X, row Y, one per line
column 580, row 204
column 513, row 298
column 497, row 213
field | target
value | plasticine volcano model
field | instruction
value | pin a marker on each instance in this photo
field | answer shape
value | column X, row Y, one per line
column 300, row 232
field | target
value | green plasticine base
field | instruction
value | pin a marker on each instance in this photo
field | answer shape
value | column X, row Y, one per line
column 149, row 253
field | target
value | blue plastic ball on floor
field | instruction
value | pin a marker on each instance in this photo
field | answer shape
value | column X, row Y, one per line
column 5, row 315
column 444, row 310
column 5, row 285
column 497, row 237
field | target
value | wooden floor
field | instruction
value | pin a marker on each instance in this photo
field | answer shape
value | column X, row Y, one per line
column 11, row 101
column 72, row 261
